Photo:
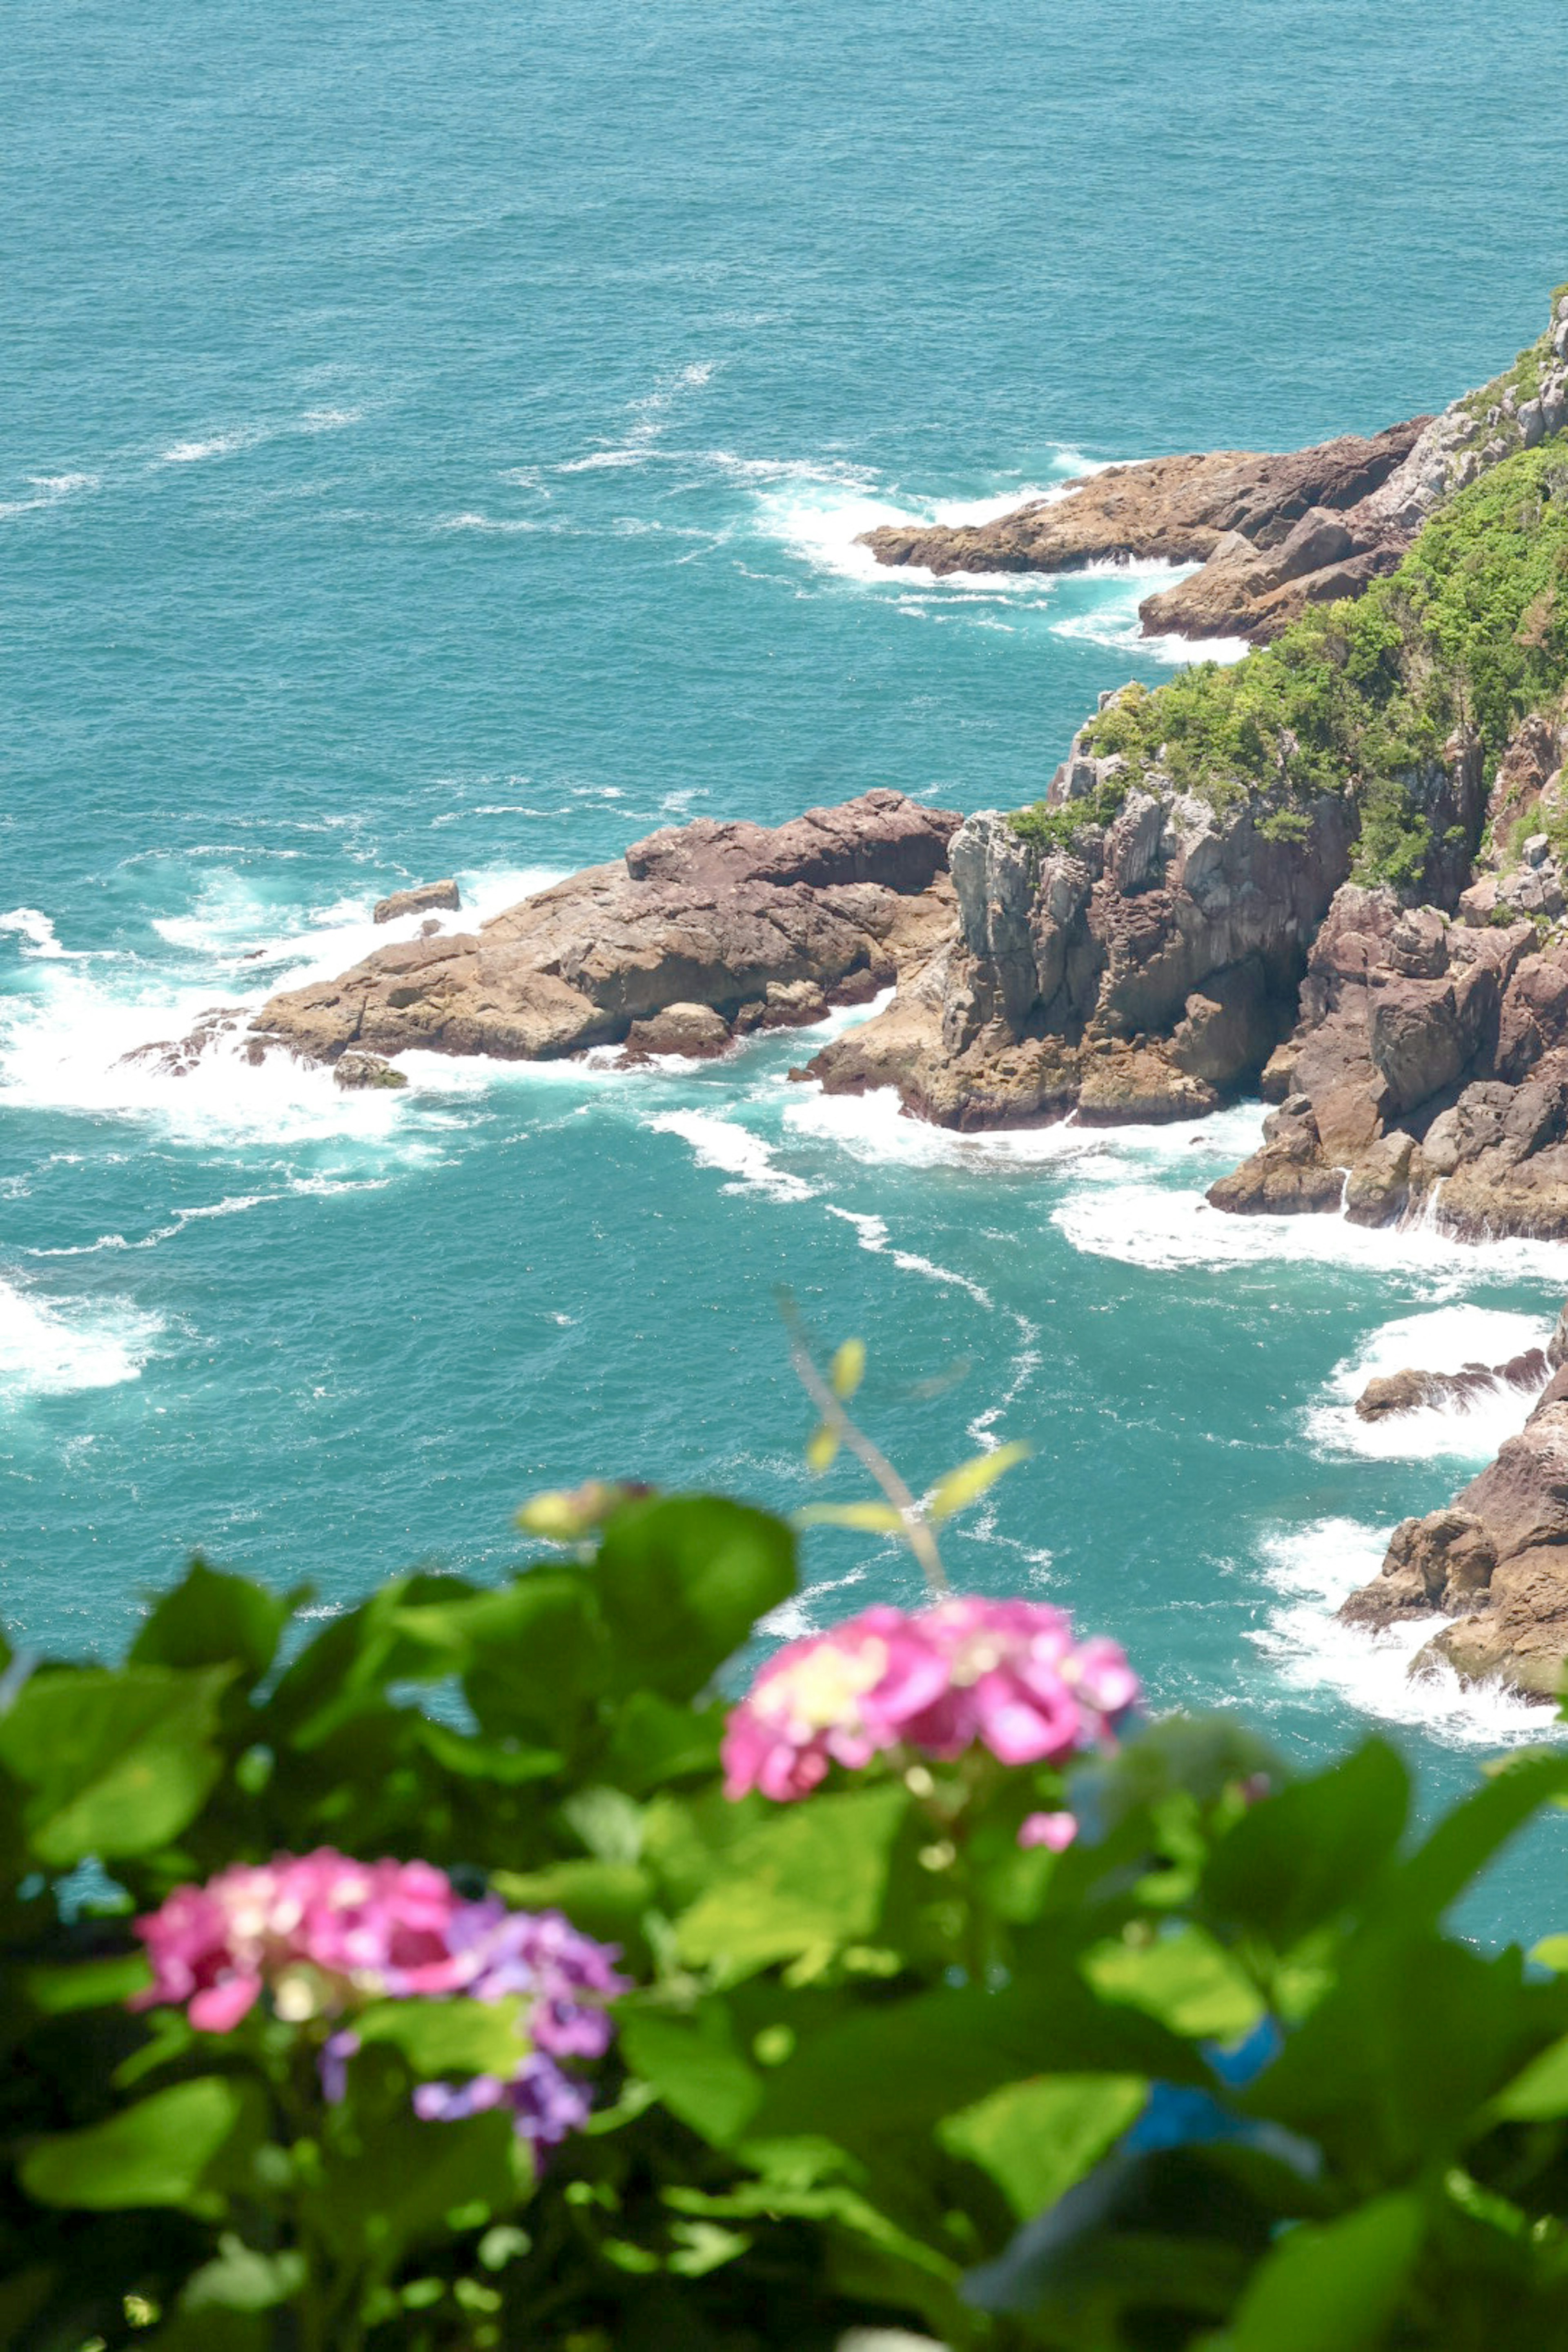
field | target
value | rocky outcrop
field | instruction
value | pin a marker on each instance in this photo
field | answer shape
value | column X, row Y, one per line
column 1273, row 533
column 1495, row 1562
column 1409, row 1390
column 700, row 931
column 1138, row 969
column 429, row 899
column 1429, row 1065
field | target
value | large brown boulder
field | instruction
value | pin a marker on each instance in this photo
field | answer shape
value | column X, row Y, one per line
column 1495, row 1563
column 752, row 924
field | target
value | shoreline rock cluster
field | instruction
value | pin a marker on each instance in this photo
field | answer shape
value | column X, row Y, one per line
column 1495, row 1562
column 701, row 933
column 1272, row 534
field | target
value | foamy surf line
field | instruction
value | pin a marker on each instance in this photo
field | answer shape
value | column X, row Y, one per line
column 1310, row 1570
column 51, row 1348
column 1168, row 1230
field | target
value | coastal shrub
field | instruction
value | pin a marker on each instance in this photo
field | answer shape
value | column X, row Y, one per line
column 464, row 1971
column 1469, row 633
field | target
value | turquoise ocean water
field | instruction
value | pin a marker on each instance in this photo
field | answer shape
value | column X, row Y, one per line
column 434, row 443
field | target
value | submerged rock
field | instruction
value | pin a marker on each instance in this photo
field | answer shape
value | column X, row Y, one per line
column 1409, row 1390
column 359, row 1070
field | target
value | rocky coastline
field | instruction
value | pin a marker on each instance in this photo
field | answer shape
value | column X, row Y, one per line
column 1337, row 872
column 701, row 933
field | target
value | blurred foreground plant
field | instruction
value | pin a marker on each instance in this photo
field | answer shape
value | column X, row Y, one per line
column 950, row 1992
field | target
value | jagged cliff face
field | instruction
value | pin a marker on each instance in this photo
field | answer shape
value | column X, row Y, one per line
column 1132, row 947
column 1143, row 971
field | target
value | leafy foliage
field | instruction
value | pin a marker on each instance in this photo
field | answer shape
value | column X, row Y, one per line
column 1214, row 2076
column 1469, row 633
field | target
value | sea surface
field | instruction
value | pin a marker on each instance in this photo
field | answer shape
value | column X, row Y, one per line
column 434, row 443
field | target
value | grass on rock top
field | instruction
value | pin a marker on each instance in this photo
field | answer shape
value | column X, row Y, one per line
column 1470, row 631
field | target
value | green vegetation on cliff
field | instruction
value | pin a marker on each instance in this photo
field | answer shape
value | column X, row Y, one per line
column 1468, row 634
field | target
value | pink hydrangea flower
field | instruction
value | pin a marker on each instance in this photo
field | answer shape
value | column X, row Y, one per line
column 1057, row 1831
column 325, row 1935
column 321, row 1930
column 1003, row 1675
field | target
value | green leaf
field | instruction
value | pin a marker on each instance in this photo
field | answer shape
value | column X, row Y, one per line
column 1333, row 2288
column 971, row 1480
column 848, row 1369
column 508, row 1762
column 683, row 1580
column 451, row 2037
column 1466, row 1839
column 241, row 2279
column 695, row 2066
column 1395, row 2065
column 181, row 2146
column 1185, row 1980
column 390, row 2181
column 1307, row 1855
column 903, row 2067
column 606, row 1899
column 864, row 1518
column 115, row 1763
column 1540, row 2092
column 209, row 1620
column 1036, row 2140
column 656, row 1741
column 808, row 1876
column 87, row 1984
column 1551, row 1952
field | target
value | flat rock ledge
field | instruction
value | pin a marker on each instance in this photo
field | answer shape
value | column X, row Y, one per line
column 701, row 932
column 1495, row 1562
column 1273, row 533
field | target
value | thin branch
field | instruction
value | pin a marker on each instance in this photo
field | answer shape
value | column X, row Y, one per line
column 836, row 1416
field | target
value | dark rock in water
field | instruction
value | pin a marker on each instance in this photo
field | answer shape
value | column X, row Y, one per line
column 176, row 1057
column 1407, row 1391
column 694, row 1029
column 1495, row 1563
column 830, row 906
column 429, row 895
column 356, row 1070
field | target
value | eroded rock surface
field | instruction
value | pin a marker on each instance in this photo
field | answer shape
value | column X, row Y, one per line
column 1495, row 1562
column 1272, row 532
column 1429, row 1065
column 1142, row 971
column 1409, row 1390
column 756, row 926
column 429, row 897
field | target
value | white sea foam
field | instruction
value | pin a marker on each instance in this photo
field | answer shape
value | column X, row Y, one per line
column 719, row 1143
column 1310, row 1570
column 1166, row 1228
column 873, row 1128
column 47, row 490
column 872, row 1231
column 35, row 930
column 49, row 1348
column 1443, row 1339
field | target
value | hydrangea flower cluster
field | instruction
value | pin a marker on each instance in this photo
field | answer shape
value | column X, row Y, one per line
column 1006, row 1675
column 324, row 1935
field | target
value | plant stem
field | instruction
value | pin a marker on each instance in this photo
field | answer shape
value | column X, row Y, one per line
column 836, row 1416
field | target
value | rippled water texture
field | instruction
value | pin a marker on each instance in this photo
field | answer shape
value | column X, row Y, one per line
column 435, row 444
